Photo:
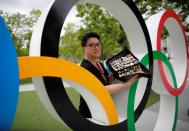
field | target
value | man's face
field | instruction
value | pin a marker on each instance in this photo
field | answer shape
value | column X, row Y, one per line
column 93, row 48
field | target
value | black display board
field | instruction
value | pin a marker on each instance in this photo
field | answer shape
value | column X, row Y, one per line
column 125, row 65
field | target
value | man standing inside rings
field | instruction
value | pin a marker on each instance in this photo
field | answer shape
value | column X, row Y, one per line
column 92, row 50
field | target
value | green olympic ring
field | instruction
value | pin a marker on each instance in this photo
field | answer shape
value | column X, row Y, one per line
column 132, row 92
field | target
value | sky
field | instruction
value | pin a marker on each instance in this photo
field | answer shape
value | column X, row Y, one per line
column 25, row 6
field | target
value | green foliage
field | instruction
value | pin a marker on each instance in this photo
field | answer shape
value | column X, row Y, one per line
column 150, row 7
column 95, row 19
column 20, row 27
column 99, row 20
column 113, row 38
column 70, row 47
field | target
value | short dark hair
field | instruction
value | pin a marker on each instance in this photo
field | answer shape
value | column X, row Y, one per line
column 88, row 35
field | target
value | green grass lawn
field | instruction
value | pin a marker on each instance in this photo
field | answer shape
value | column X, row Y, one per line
column 32, row 116
column 153, row 99
column 26, row 81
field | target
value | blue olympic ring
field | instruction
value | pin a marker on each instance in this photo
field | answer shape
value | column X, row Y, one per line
column 9, row 76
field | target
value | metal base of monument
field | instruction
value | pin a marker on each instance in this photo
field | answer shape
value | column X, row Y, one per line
column 148, row 118
column 144, row 124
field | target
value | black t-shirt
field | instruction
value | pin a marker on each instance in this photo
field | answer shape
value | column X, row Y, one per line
column 83, row 108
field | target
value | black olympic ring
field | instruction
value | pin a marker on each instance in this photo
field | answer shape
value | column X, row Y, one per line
column 54, row 86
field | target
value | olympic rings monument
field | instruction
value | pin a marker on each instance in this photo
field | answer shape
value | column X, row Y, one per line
column 119, row 112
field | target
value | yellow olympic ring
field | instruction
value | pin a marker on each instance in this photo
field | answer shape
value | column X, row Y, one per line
column 37, row 66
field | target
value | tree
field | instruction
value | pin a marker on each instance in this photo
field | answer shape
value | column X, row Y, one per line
column 20, row 27
column 150, row 7
column 99, row 20
column 70, row 47
column 113, row 37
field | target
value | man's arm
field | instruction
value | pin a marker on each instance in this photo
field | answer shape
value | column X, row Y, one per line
column 114, row 88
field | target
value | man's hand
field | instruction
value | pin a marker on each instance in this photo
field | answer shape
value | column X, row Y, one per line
column 114, row 88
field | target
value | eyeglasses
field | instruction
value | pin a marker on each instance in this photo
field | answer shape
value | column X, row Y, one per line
column 94, row 45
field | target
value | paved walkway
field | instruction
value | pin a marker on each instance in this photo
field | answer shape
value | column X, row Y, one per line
column 26, row 87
